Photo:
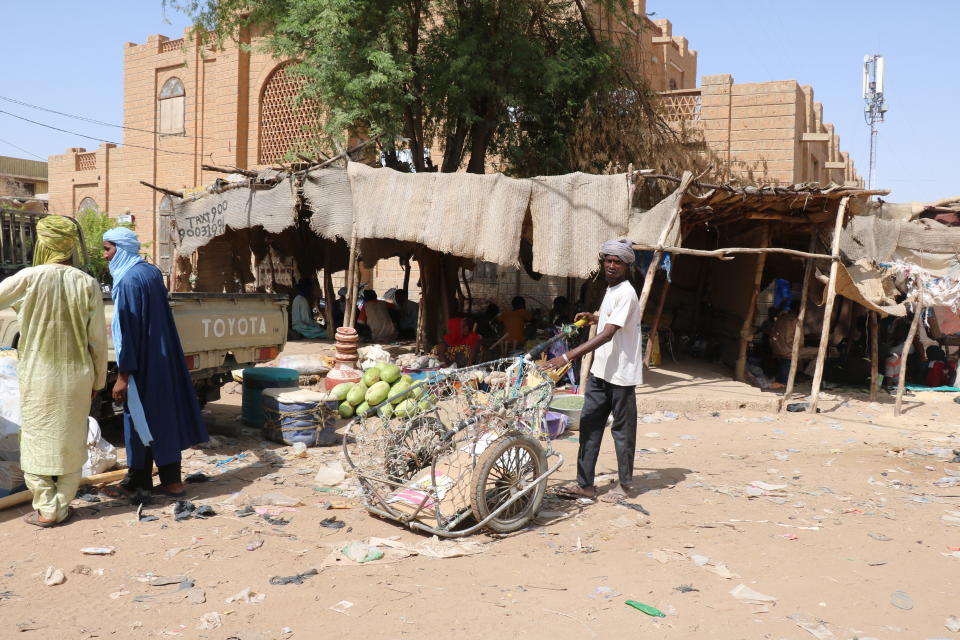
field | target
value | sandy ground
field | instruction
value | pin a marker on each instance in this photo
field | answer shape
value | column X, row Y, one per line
column 847, row 512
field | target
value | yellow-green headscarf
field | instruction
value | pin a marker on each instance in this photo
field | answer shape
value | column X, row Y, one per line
column 56, row 237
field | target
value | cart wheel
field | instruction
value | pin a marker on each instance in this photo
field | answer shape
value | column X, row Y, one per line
column 414, row 448
column 505, row 468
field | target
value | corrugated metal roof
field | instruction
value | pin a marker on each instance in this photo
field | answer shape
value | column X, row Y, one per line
column 22, row 168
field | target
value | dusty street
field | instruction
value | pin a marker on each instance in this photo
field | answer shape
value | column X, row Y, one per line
column 829, row 516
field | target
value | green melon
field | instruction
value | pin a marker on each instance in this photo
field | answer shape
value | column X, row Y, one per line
column 356, row 394
column 399, row 391
column 377, row 393
column 390, row 373
column 346, row 410
column 371, row 376
column 340, row 391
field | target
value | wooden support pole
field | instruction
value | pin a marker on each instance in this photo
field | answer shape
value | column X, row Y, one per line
column 874, row 355
column 901, row 383
column 724, row 254
column 329, row 298
column 658, row 250
column 746, row 330
column 801, row 317
column 169, row 192
column 100, row 478
column 656, row 318
column 586, row 362
column 350, row 315
column 828, row 312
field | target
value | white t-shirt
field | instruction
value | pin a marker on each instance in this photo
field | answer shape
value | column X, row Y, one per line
column 620, row 361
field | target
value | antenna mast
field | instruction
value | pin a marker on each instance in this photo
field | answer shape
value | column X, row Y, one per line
column 874, row 110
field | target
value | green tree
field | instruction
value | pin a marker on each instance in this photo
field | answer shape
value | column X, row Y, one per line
column 528, row 82
column 94, row 224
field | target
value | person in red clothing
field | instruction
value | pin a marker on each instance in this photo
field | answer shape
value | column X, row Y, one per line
column 461, row 345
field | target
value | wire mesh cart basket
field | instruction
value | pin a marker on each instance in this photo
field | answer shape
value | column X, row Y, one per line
column 458, row 451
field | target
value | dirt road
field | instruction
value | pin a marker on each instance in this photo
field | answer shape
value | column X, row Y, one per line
column 828, row 515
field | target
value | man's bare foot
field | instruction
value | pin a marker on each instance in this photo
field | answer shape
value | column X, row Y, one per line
column 618, row 494
column 572, row 492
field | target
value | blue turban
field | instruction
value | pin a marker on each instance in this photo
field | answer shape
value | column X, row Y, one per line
column 124, row 239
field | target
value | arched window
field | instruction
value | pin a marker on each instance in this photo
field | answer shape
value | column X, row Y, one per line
column 284, row 125
column 88, row 204
column 172, row 107
column 165, row 234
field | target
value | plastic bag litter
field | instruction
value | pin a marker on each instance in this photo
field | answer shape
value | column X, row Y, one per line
column 247, row 595
column 210, row 621
column 275, row 500
column 953, row 624
column 811, row 626
column 745, row 594
column 101, row 455
column 330, row 474
column 305, row 365
column 360, row 552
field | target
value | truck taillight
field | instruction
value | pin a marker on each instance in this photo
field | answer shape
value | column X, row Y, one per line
column 267, row 353
column 193, row 361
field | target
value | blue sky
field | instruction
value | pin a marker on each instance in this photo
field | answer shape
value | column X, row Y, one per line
column 822, row 44
column 71, row 60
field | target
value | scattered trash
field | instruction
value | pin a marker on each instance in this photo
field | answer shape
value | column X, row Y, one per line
column 798, row 407
column 98, row 551
column 901, row 600
column 53, row 577
column 197, row 477
column 184, row 510
column 247, row 595
column 330, row 474
column 360, row 552
column 275, row 500
column 815, row 628
column 956, row 452
column 163, row 581
column 880, row 537
column 604, row 593
column 81, row 570
column 952, row 518
column 299, row 450
column 687, row 436
column 746, row 595
column 342, row 606
column 277, row 522
column 634, row 506
column 213, row 443
column 685, row 588
column 297, row 579
column 647, row 609
column 256, row 544
column 210, row 621
column 246, row 511
column 119, row 594
column 332, row 523
column 953, row 624
column 226, row 461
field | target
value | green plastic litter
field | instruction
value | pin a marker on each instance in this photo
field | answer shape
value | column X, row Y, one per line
column 647, row 609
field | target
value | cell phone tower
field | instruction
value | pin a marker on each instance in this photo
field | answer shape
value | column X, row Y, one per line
column 874, row 110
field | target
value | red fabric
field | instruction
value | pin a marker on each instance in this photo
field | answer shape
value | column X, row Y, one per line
column 937, row 374
column 455, row 334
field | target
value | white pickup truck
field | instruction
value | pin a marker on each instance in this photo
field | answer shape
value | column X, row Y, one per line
column 219, row 331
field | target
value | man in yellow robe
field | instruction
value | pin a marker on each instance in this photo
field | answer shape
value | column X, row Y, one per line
column 62, row 362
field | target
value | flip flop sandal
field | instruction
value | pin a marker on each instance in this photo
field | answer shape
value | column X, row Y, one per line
column 172, row 494
column 569, row 493
column 115, row 491
column 67, row 518
column 34, row 518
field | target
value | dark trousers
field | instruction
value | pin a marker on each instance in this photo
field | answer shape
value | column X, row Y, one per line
column 600, row 400
column 142, row 477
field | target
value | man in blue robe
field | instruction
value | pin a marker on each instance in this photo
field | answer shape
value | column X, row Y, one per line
column 161, row 415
